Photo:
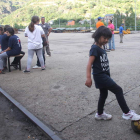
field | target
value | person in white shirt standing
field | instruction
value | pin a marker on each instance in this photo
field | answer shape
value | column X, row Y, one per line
column 34, row 34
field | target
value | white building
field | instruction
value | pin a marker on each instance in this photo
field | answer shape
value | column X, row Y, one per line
column 108, row 16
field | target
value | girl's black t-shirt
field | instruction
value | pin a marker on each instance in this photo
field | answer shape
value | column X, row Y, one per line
column 101, row 70
column 101, row 63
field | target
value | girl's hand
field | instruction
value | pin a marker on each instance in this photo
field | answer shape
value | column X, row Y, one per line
column 88, row 82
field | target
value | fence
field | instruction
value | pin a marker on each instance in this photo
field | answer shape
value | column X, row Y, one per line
column 92, row 25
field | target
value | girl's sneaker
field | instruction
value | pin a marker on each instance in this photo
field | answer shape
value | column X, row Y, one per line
column 26, row 71
column 36, row 67
column 1, row 72
column 103, row 116
column 131, row 115
column 43, row 68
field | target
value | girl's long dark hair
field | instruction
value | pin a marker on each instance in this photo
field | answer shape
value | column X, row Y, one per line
column 34, row 20
column 1, row 29
column 102, row 31
column 11, row 30
column 6, row 27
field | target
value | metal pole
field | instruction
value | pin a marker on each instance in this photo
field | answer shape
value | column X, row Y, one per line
column 90, row 18
column 59, row 22
column 116, row 24
column 37, row 6
column 135, row 16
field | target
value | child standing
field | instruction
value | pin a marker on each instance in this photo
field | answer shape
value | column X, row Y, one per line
column 34, row 34
column 101, row 73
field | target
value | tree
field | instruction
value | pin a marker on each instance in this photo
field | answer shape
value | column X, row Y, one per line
column 16, row 26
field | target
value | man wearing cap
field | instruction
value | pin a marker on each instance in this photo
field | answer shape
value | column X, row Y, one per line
column 99, row 23
column 121, row 33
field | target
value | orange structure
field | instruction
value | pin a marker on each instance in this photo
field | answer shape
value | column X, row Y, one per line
column 71, row 22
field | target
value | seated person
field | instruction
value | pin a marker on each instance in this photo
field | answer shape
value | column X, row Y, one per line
column 4, row 46
column 4, row 38
column 1, row 33
column 14, row 47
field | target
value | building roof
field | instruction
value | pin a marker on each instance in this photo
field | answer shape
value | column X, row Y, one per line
column 109, row 15
column 70, row 20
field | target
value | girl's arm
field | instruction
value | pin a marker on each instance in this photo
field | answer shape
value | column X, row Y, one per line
column 111, row 29
column 26, row 35
column 90, row 62
column 43, row 35
column 49, row 31
column 8, row 49
column 42, row 32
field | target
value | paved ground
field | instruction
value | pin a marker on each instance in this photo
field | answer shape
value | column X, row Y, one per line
column 58, row 96
column 15, row 125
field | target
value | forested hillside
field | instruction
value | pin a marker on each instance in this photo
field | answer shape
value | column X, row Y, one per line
column 63, row 9
column 8, row 6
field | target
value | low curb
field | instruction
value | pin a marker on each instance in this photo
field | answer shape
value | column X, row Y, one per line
column 50, row 134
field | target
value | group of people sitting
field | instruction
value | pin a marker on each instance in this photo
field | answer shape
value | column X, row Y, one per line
column 37, row 39
column 10, row 46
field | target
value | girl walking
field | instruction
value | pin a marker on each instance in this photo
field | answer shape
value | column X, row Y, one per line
column 34, row 34
column 98, row 61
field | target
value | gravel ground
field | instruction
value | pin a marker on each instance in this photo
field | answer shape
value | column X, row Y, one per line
column 15, row 125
